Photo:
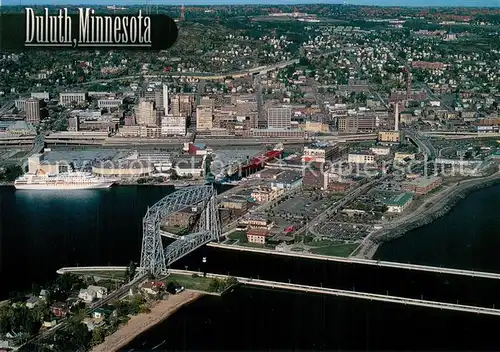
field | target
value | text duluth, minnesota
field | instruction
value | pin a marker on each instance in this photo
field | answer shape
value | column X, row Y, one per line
column 93, row 30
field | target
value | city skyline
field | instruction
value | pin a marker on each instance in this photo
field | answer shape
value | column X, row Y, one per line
column 388, row 3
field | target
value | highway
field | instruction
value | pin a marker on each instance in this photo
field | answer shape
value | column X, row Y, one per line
column 424, row 145
column 201, row 76
column 353, row 294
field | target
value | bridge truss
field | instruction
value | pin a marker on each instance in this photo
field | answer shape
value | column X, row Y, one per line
column 154, row 257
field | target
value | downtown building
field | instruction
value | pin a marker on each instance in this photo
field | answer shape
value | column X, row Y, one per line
column 145, row 113
column 67, row 99
column 204, row 118
column 32, row 109
column 279, row 118
column 173, row 125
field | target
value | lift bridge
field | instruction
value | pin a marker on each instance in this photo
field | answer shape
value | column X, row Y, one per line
column 155, row 259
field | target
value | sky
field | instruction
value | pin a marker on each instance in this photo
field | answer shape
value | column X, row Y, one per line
column 433, row 3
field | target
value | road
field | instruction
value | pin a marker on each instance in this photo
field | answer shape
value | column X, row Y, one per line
column 200, row 76
column 6, row 107
column 423, row 143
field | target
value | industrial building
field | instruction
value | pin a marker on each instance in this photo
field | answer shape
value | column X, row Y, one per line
column 123, row 168
column 389, row 137
column 321, row 152
column 396, row 203
column 361, row 158
column 422, row 185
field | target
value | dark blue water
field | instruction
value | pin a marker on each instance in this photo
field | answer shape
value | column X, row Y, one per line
column 468, row 237
column 41, row 232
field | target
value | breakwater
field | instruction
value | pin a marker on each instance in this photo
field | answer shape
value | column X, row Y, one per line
column 433, row 213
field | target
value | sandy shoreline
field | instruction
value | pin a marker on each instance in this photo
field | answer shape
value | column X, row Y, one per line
column 142, row 322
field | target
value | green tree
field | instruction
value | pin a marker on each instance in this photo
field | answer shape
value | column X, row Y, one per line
column 98, row 336
column 215, row 285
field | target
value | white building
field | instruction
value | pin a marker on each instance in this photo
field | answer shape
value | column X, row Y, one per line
column 70, row 98
column 109, row 103
column 165, row 98
column 361, row 158
column 92, row 292
column 173, row 125
column 380, row 150
column 145, row 113
column 41, row 95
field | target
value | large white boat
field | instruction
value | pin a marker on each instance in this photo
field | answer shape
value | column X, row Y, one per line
column 70, row 180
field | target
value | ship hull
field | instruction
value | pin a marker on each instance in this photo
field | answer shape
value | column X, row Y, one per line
column 67, row 186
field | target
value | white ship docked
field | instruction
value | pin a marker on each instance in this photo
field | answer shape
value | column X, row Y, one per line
column 70, row 180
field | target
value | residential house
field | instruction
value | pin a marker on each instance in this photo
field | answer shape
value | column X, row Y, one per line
column 33, row 301
column 92, row 292
column 44, row 294
column 59, row 309
column 153, row 287
column 49, row 323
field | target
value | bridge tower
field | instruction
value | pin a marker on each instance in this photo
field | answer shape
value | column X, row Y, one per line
column 155, row 259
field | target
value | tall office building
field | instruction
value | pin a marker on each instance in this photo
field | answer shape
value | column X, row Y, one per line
column 165, row 98
column 32, row 108
column 175, row 106
column 173, row 125
column 145, row 113
column 279, row 118
column 204, row 118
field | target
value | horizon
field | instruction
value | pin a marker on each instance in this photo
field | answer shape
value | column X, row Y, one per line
column 381, row 3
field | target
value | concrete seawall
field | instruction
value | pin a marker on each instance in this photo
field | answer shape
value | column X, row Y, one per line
column 353, row 294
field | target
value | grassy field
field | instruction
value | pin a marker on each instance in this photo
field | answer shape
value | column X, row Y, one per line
column 173, row 229
column 238, row 235
column 194, row 283
column 339, row 250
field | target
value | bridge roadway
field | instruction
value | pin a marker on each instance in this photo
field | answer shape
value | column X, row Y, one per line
column 305, row 288
column 352, row 294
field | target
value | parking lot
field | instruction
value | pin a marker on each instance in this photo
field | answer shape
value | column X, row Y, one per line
column 343, row 231
column 300, row 206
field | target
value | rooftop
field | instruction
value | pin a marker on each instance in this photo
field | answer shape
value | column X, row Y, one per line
column 398, row 199
column 289, row 177
column 423, row 181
